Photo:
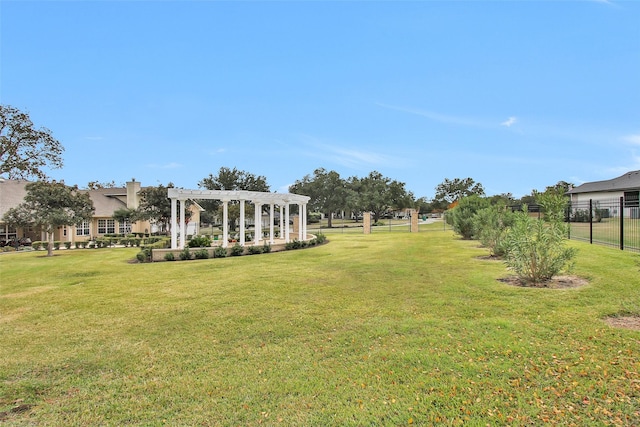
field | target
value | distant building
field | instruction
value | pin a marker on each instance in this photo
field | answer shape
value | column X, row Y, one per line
column 626, row 187
column 105, row 201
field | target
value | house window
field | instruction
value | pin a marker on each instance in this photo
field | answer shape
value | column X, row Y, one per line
column 82, row 229
column 631, row 199
column 124, row 227
column 106, row 226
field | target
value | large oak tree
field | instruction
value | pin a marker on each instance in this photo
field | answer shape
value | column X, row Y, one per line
column 378, row 194
column 328, row 192
column 24, row 150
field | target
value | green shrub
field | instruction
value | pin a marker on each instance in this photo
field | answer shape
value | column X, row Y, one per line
column 321, row 238
column 56, row 245
column 200, row 242
column 266, row 248
column 185, row 254
column 253, row 250
column 202, row 254
column 36, row 245
column 169, row 256
column 237, row 250
column 78, row 245
column 462, row 215
column 295, row 244
column 491, row 225
column 153, row 239
column 313, row 217
column 67, row 245
column 535, row 249
column 219, row 252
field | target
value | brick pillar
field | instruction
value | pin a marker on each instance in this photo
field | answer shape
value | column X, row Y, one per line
column 366, row 222
column 414, row 220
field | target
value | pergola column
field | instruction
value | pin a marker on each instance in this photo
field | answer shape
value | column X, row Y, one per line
column 174, row 224
column 241, row 222
column 304, row 221
column 182, row 224
column 286, row 223
column 282, row 221
column 258, row 220
column 225, row 223
column 300, row 222
column 271, row 217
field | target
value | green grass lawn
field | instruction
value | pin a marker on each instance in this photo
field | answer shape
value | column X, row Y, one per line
column 385, row 329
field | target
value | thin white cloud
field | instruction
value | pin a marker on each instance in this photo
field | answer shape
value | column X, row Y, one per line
column 172, row 165
column 216, row 151
column 509, row 122
column 607, row 2
column 632, row 139
column 438, row 117
column 348, row 157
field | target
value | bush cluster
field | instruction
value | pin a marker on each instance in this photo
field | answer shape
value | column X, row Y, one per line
column 200, row 242
column 220, row 252
column 533, row 248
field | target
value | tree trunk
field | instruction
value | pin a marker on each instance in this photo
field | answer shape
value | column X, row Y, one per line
column 329, row 218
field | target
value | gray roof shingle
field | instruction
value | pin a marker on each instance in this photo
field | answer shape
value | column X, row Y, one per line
column 626, row 182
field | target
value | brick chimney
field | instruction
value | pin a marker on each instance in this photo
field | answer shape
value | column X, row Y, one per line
column 133, row 199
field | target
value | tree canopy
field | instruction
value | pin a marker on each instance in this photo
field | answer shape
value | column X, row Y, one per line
column 378, row 194
column 328, row 191
column 450, row 191
column 155, row 206
column 231, row 179
column 24, row 150
column 51, row 205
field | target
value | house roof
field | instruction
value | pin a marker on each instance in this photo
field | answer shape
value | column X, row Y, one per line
column 12, row 193
column 628, row 181
column 105, row 200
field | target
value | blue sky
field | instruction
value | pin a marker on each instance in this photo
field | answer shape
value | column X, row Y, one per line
column 517, row 95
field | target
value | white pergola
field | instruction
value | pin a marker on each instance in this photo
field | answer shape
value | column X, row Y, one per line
column 258, row 198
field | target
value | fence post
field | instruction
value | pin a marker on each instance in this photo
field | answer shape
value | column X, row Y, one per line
column 591, row 221
column 621, row 223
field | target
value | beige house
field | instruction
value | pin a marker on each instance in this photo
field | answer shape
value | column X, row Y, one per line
column 106, row 201
column 607, row 193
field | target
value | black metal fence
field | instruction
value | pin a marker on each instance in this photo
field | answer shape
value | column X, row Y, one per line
column 612, row 222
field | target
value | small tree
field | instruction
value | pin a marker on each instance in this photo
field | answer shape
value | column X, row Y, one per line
column 51, row 205
column 536, row 248
column 155, row 206
column 125, row 216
